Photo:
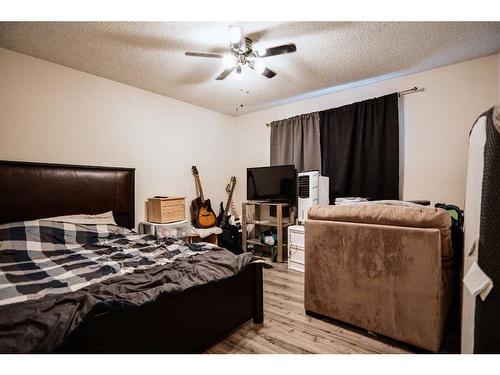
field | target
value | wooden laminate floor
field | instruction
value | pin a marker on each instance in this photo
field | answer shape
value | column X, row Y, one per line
column 287, row 329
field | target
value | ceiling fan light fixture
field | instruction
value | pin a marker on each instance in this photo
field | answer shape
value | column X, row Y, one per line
column 243, row 55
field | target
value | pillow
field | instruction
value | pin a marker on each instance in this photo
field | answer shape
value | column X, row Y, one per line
column 54, row 233
column 104, row 218
column 392, row 202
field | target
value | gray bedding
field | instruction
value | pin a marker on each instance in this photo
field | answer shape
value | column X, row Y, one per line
column 43, row 320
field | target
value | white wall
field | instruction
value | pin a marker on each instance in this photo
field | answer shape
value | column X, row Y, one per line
column 50, row 113
column 436, row 124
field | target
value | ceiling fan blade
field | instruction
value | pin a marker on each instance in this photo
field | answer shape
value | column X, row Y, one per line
column 225, row 73
column 261, row 69
column 268, row 73
column 204, row 54
column 278, row 50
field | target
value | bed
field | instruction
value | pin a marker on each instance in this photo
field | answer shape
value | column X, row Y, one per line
column 187, row 319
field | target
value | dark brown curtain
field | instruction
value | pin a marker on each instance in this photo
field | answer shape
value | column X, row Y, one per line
column 360, row 149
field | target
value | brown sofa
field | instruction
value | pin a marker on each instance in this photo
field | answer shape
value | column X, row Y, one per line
column 384, row 268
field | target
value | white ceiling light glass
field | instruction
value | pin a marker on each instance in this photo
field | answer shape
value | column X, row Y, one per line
column 234, row 34
column 261, row 52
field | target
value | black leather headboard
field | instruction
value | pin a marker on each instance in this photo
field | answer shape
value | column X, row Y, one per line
column 36, row 190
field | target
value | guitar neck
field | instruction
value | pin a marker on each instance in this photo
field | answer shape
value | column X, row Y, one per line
column 200, row 188
column 229, row 199
column 228, row 203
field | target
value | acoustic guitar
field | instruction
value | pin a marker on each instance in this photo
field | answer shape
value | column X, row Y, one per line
column 202, row 214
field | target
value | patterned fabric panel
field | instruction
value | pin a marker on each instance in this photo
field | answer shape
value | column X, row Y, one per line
column 43, row 257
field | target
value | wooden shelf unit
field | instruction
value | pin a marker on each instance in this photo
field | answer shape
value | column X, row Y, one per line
column 280, row 224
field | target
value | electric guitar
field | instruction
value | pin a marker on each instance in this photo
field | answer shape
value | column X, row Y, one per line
column 223, row 217
column 230, row 238
column 202, row 215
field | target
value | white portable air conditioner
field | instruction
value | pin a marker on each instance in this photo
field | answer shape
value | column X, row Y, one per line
column 313, row 190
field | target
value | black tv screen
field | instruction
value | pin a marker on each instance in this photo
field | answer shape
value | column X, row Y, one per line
column 275, row 184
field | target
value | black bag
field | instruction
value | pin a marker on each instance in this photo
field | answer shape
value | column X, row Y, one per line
column 452, row 338
column 457, row 229
column 457, row 215
column 230, row 238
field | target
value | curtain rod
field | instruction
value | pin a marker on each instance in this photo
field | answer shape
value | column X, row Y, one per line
column 411, row 91
column 404, row 92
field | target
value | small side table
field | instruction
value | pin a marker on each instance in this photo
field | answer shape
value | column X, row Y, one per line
column 209, row 235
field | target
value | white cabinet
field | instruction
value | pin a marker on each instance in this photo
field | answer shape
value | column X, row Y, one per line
column 296, row 248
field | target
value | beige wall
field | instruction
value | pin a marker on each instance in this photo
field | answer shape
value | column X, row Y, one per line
column 435, row 124
column 50, row 113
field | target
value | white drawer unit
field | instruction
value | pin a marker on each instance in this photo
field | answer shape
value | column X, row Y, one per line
column 296, row 256
column 179, row 229
column 296, row 236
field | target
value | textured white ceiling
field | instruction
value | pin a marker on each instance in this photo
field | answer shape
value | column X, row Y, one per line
column 151, row 55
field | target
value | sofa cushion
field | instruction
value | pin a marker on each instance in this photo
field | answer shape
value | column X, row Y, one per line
column 394, row 215
column 382, row 214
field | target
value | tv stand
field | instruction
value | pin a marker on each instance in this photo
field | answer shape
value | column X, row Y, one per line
column 279, row 224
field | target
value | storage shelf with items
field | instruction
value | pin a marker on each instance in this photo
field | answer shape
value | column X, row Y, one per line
column 267, row 234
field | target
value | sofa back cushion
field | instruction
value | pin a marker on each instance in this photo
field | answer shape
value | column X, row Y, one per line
column 383, row 214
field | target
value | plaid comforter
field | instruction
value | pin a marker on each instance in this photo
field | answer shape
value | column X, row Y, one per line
column 42, row 257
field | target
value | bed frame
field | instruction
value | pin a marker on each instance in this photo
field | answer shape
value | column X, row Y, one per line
column 186, row 322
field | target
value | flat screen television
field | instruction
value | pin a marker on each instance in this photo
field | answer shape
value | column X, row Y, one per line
column 274, row 184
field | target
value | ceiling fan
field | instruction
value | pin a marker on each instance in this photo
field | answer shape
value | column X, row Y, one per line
column 242, row 54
